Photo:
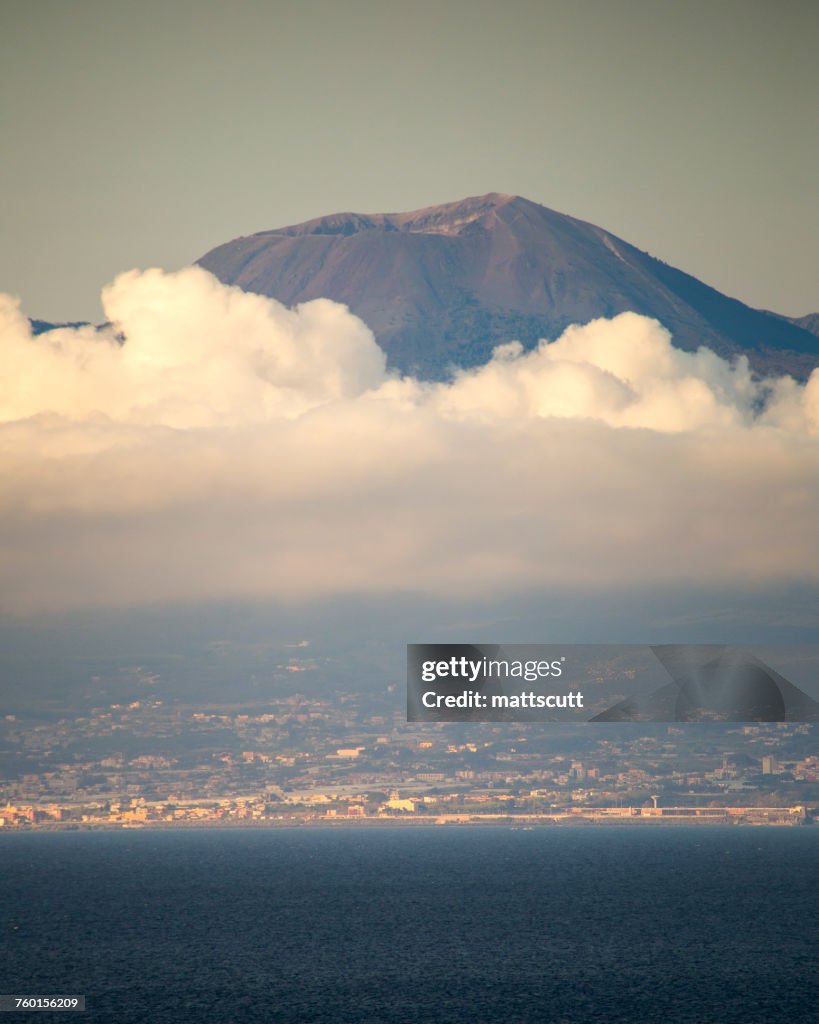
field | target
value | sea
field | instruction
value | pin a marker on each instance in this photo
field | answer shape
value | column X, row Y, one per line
column 439, row 925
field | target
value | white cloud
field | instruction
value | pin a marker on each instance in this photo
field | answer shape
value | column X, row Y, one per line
column 622, row 372
column 233, row 447
column 198, row 354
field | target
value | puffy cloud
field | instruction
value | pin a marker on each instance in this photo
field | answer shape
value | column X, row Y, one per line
column 622, row 372
column 196, row 354
column 229, row 446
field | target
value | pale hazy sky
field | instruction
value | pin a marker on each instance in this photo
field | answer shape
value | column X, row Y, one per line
column 138, row 135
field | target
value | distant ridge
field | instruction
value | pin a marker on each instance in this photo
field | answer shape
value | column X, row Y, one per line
column 43, row 326
column 808, row 323
column 443, row 285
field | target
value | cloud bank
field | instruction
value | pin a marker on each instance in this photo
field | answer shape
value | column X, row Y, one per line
column 229, row 447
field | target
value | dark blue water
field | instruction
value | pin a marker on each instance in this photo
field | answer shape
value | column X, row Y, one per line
column 707, row 926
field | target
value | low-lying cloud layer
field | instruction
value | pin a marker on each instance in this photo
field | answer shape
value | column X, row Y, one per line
column 230, row 446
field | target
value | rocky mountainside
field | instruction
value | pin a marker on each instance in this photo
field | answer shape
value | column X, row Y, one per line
column 443, row 285
column 808, row 323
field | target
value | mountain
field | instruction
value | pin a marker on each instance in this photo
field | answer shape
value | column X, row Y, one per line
column 43, row 326
column 808, row 323
column 444, row 285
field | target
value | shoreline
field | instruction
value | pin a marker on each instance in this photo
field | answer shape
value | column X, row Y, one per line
column 506, row 822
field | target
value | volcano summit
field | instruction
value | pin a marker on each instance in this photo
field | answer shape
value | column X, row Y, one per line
column 442, row 286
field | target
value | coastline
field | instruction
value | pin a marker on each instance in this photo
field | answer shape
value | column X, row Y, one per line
column 785, row 818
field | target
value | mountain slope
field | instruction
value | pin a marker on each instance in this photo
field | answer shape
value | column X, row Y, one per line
column 444, row 285
column 810, row 322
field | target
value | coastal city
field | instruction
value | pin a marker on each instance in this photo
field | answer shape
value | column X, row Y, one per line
column 345, row 759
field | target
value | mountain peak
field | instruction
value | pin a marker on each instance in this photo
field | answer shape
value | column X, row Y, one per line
column 443, row 285
column 449, row 218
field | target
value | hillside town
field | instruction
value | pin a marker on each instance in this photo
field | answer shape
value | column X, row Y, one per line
column 334, row 760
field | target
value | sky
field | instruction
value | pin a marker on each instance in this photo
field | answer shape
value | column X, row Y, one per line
column 142, row 135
